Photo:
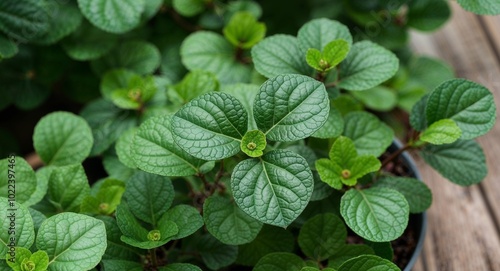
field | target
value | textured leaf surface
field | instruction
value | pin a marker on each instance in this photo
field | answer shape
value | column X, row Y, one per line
column 279, row 54
column 194, row 84
column 216, row 254
column 280, row 261
column 333, row 53
column 209, row 51
column 469, row 104
column 376, row 214
column 443, row 131
column 462, row 162
column 116, row 249
column 28, row 189
column 368, row 263
column 274, row 188
column 291, row 107
column 484, row 7
column 333, row 127
column 417, row 194
column 88, row 42
column 115, row 16
column 253, row 143
column 68, row 186
column 187, row 218
column 322, row 236
column 244, row 31
column 418, row 119
column 347, row 252
column 149, row 196
column 228, row 223
column 24, row 20
column 72, row 241
column 123, row 148
column 39, row 259
column 245, row 93
column 319, row 32
column 25, row 234
column 64, row 19
column 367, row 66
column 211, row 126
column 370, row 135
column 155, row 151
column 62, row 138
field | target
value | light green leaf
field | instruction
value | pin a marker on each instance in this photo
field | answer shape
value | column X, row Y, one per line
column 228, row 223
column 428, row 15
column 299, row 106
column 368, row 263
column 72, row 241
column 88, row 42
column 320, row 32
column 115, row 16
column 367, row 66
column 378, row 98
column 13, row 212
column 376, row 214
column 194, row 84
column 211, row 126
column 19, row 176
column 188, row 8
column 280, row 261
column 214, row 253
column 253, row 143
column 462, row 162
column 443, row 131
column 270, row 239
column 417, row 194
column 370, row 135
column 137, row 56
column 347, row 252
column 38, row 261
column 244, row 31
column 180, row 267
column 24, row 21
column 245, row 93
column 483, row 7
column 469, row 104
column 64, row 18
column 209, row 51
column 155, row 151
column 8, row 48
column 137, row 92
column 68, row 186
column 274, row 188
column 187, row 218
column 21, row 255
column 279, row 54
column 322, row 236
column 149, row 196
column 114, row 80
column 333, row 53
column 62, row 138
column 123, row 148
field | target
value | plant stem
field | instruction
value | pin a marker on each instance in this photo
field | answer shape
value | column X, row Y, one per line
column 395, row 154
column 154, row 260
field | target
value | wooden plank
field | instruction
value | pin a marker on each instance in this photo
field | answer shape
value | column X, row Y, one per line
column 463, row 227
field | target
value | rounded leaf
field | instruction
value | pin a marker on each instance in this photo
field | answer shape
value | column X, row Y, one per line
column 483, row 7
column 376, row 214
column 115, row 16
column 88, row 42
column 368, row 263
column 211, row 126
column 253, row 143
column 29, row 189
column 24, row 20
column 274, row 188
column 291, row 107
column 416, row 192
column 123, row 148
column 443, row 131
column 187, row 218
column 188, row 8
column 62, row 138
column 319, row 32
column 280, row 261
column 18, row 215
column 322, row 236
column 369, row 134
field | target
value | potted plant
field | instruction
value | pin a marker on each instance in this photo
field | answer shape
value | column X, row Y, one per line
column 256, row 158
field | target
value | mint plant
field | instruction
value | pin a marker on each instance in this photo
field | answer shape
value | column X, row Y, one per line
column 224, row 149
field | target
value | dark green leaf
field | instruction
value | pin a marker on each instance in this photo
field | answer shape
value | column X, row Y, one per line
column 280, row 261
column 187, row 218
column 216, row 254
column 115, row 16
column 322, row 236
column 368, row 263
column 347, row 252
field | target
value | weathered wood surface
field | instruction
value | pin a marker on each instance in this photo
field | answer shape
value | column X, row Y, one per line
column 464, row 222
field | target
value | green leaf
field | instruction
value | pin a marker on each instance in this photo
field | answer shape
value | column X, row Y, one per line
column 347, row 252
column 322, row 236
column 345, row 166
column 270, row 239
column 188, row 8
column 214, row 253
column 382, row 249
column 211, row 52
column 116, row 249
column 333, row 53
column 38, row 218
column 121, row 265
column 8, row 48
column 483, row 7
column 279, row 54
column 129, row 225
column 180, row 267
column 376, row 214
column 113, row 16
column 17, row 214
column 21, row 255
column 244, row 31
column 123, row 148
column 62, row 138
column 369, row 134
column 64, row 18
column 428, row 15
column 155, row 151
column 245, row 93
column 211, row 126
column 274, row 188
column 106, row 199
column 368, row 263
column 418, row 120
column 443, row 131
column 299, row 106
column 149, row 196
column 417, row 194
column 24, row 21
column 137, row 56
column 379, row 98
column 320, row 32
column 430, row 72
column 72, row 241
column 88, row 42
column 280, row 261
column 367, row 66
column 187, row 218
column 243, row 5
column 333, row 127
column 228, row 223
column 194, row 84
column 38, row 261
column 22, row 179
column 462, row 162
column 114, row 80
column 68, row 186
column 469, row 104
column 253, row 143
